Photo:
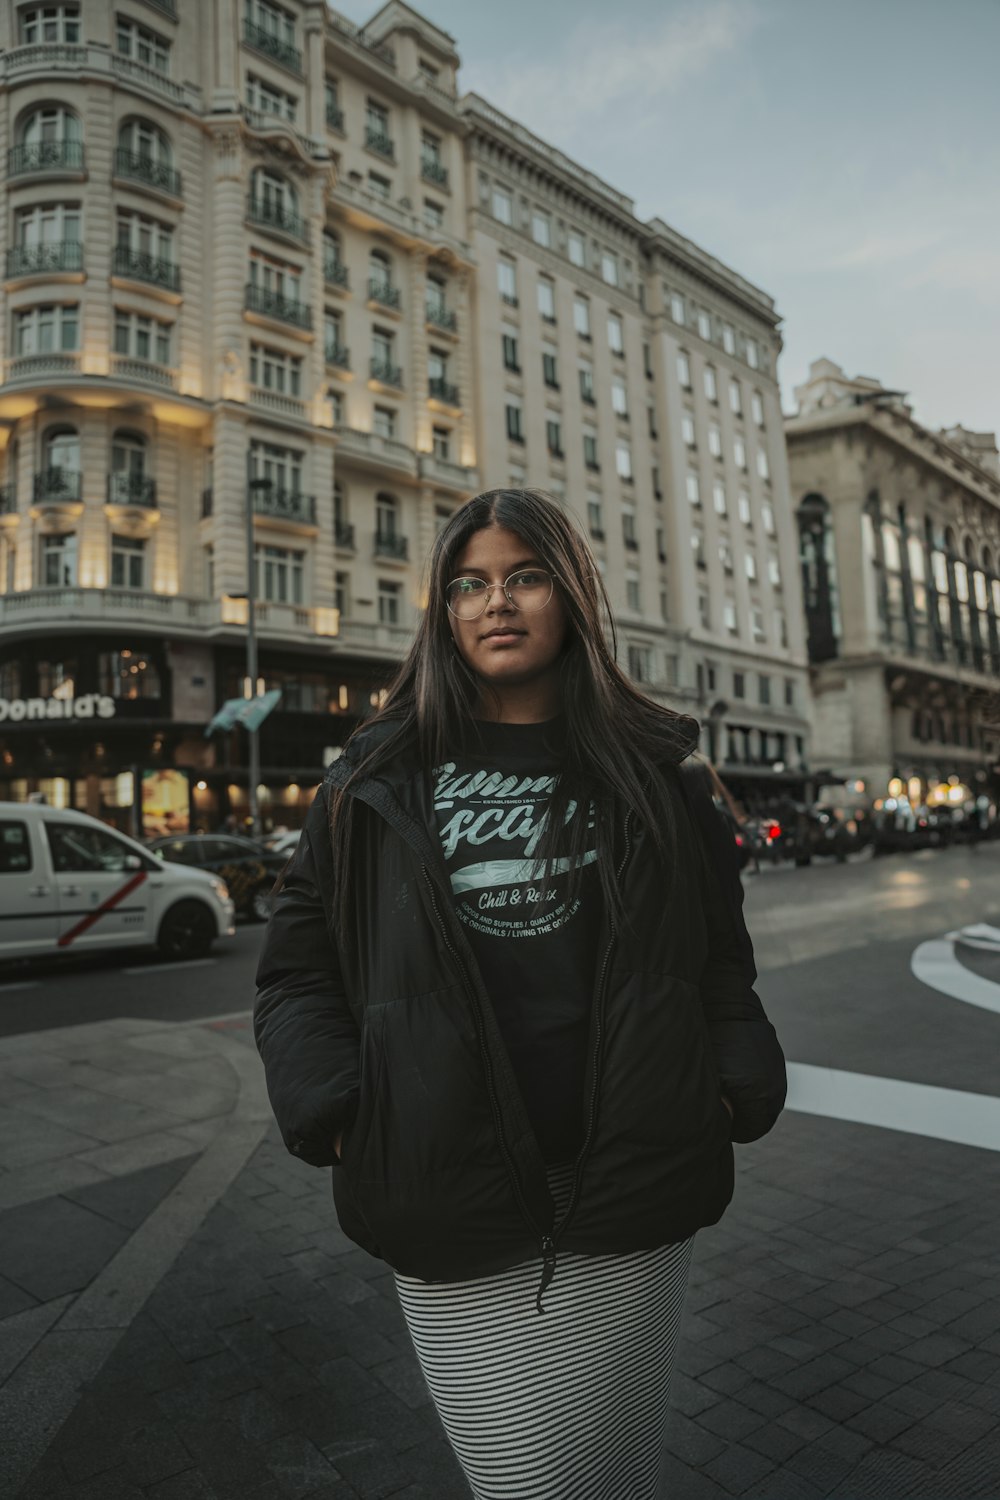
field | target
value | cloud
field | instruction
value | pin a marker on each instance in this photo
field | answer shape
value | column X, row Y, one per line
column 611, row 67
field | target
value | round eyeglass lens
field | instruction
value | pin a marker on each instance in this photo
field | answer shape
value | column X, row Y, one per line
column 528, row 590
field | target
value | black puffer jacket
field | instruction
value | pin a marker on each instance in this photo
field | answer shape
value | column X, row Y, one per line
column 393, row 1039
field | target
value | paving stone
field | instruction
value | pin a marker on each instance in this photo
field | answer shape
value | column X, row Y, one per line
column 738, row 1468
column 690, row 1442
column 730, row 1420
column 53, row 1247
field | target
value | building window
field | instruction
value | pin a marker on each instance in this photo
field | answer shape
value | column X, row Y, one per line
column 763, row 468
column 711, row 385
column 753, row 357
column 719, row 497
column 757, row 408
column 274, row 370
column 684, row 370
column 577, row 249
column 442, row 515
column 704, row 610
column 52, row 127
column 281, row 467
column 331, row 100
column 739, row 453
column 746, row 515
column 384, row 422
column 379, row 185
column 342, row 594
column 389, row 596
column 735, row 398
column 767, row 514
column 58, row 561
column 655, row 477
column 715, row 440
column 511, row 361
column 757, row 622
column 616, row 334
column 726, row 556
column 693, row 488
column 128, row 562
column 632, row 598
column 774, row 570
column 590, row 448
column 764, row 684
column 739, row 685
column 441, row 438
column 47, row 329
column 546, row 299
column 677, row 308
column 268, row 100
column 141, row 337
column 640, row 663
column 127, row 674
column 142, row 45
column 581, row 316
column 619, row 396
column 729, row 617
column 146, row 237
column 507, row 282
column 789, row 692
column 550, row 368
column 503, row 206
column 278, row 574
column 541, row 227
column 688, row 430
column 49, row 224
column 553, row 437
column 750, row 562
column 386, row 518
column 514, row 431
column 698, row 548
column 433, row 214
column 728, row 338
column 609, row 267
column 595, row 520
column 586, row 373
column 623, row 461
column 50, row 23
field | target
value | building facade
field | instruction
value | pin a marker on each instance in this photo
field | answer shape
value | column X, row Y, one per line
column 900, row 542
column 258, row 313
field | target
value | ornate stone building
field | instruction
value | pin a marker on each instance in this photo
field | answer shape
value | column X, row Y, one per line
column 900, row 539
column 258, row 302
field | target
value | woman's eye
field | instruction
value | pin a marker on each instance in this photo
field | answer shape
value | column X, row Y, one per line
column 530, row 580
column 470, row 585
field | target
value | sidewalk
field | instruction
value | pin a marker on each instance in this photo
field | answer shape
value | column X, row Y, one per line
column 183, row 1319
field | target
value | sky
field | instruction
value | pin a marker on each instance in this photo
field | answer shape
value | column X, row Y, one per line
column 844, row 157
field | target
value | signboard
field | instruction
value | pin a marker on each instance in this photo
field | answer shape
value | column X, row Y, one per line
column 86, row 706
column 166, row 802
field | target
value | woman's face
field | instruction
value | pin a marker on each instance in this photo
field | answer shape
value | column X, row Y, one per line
column 507, row 647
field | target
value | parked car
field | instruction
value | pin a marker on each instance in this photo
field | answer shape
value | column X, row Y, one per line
column 284, row 844
column 248, row 870
column 69, row 884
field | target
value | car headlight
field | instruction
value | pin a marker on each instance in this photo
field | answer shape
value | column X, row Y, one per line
column 220, row 888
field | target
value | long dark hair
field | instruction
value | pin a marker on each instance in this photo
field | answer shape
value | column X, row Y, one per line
column 616, row 739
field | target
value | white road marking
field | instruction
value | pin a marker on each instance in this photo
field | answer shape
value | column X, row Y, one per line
column 187, row 963
column 977, row 935
column 934, row 964
column 915, row 1108
column 19, row 984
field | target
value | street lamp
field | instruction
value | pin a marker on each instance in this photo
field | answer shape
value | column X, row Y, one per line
column 250, row 691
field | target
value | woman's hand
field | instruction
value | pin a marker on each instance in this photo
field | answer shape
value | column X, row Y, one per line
column 727, row 1104
column 336, row 1143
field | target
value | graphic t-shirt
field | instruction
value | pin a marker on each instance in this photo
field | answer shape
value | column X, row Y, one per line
column 536, row 950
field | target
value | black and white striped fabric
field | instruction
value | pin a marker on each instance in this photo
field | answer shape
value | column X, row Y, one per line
column 569, row 1404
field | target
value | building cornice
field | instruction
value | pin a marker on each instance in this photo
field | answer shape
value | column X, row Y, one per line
column 662, row 240
column 908, row 434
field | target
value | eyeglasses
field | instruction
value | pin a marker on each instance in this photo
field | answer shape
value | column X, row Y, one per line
column 529, row 589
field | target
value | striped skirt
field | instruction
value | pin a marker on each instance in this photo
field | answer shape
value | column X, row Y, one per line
column 570, row 1404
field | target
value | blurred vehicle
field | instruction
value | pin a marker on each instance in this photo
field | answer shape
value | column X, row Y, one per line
column 70, row 884
column 248, row 870
column 284, row 843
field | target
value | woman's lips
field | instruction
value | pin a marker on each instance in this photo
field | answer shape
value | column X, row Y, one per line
column 503, row 637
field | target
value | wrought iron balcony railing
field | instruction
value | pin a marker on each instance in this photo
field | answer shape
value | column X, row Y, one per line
column 383, row 292
column 380, row 142
column 441, row 390
column 33, row 260
column 58, row 483
column 275, row 215
column 45, row 156
column 338, row 354
column 286, row 505
column 142, row 266
column 132, row 489
column 262, row 299
column 441, row 317
column 140, row 167
column 335, row 272
column 433, row 171
column 389, row 544
column 272, row 46
column 388, row 374
column 343, row 535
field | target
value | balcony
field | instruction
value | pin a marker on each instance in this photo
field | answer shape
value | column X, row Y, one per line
column 441, row 317
column 283, row 505
column 271, row 304
column 58, row 486
column 334, row 117
column 132, row 489
column 343, row 535
column 384, row 372
column 335, row 273
column 389, row 544
column 272, row 46
column 36, row 366
column 277, row 401
column 439, row 389
column 139, row 265
column 143, row 372
column 386, row 454
column 449, row 475
column 382, row 293
column 275, row 216
column 432, row 170
column 41, row 260
column 138, row 167
column 377, row 140
column 338, row 354
column 45, row 156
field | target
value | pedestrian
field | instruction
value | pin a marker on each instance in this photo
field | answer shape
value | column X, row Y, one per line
column 506, row 993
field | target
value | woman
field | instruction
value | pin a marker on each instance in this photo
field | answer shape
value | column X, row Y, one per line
column 506, row 992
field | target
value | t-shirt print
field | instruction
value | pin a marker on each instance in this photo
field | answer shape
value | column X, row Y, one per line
column 491, row 823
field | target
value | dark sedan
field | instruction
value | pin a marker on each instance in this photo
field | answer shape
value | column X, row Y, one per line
column 248, row 870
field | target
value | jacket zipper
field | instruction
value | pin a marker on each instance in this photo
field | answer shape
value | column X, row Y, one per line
column 548, row 1248
column 596, row 1079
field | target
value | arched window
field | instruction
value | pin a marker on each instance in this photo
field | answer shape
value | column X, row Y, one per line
column 61, row 462
column 274, row 201
column 127, row 481
column 379, row 272
column 49, row 135
column 144, row 139
column 819, row 578
column 332, row 249
column 386, row 520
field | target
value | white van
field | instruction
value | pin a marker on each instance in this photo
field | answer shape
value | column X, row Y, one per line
column 69, row 884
